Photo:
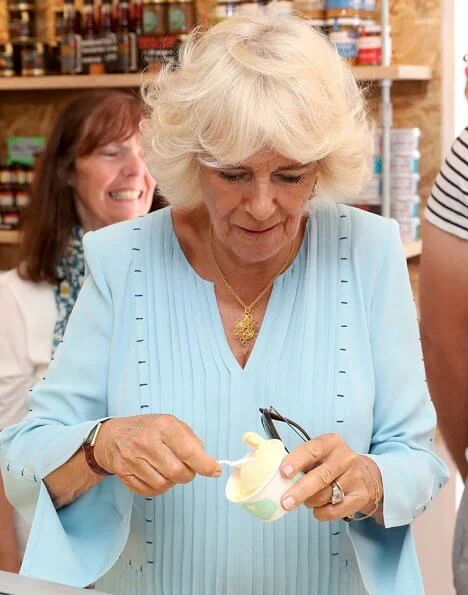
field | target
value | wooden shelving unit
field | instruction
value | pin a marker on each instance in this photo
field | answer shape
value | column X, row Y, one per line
column 402, row 72
column 133, row 81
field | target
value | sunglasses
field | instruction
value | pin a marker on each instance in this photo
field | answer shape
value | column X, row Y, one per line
column 270, row 415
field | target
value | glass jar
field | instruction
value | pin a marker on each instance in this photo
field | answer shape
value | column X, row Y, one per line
column 181, row 16
column 370, row 45
column 6, row 60
column 21, row 21
column 344, row 5
column 155, row 17
column 344, row 33
column 32, row 59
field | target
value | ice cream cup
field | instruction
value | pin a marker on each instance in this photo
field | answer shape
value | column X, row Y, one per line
column 264, row 503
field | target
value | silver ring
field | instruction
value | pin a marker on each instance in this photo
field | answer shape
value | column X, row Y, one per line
column 337, row 493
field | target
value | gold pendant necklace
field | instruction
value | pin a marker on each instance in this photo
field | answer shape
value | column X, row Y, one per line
column 246, row 328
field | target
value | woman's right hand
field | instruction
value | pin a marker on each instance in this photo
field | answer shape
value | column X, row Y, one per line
column 152, row 453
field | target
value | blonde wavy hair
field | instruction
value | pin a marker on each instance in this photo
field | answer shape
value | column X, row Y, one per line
column 258, row 80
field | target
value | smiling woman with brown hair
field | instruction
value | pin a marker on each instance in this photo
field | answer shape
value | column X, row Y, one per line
column 90, row 175
column 253, row 288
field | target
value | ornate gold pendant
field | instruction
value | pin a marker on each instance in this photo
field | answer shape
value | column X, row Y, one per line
column 246, row 328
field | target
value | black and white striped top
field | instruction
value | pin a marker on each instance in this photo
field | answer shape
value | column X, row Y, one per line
column 447, row 207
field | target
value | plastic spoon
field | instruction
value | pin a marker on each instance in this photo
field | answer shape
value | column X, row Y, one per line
column 237, row 463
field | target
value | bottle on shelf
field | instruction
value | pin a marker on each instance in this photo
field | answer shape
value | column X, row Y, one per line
column 105, row 17
column 88, row 25
column 136, row 27
column 70, row 43
column 21, row 21
column 126, row 40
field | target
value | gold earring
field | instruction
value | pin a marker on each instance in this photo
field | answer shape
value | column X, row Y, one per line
column 314, row 191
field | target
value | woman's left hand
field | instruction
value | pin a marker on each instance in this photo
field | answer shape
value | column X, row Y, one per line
column 323, row 460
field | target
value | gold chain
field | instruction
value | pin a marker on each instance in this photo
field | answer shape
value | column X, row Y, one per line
column 246, row 328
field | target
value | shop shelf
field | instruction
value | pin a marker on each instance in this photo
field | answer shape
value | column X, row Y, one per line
column 65, row 82
column 10, row 237
column 413, row 249
column 398, row 72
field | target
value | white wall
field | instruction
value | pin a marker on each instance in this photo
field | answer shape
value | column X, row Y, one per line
column 454, row 44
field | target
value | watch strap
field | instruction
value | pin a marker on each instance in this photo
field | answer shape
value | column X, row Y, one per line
column 88, row 447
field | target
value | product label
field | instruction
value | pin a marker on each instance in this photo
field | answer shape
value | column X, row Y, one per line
column 346, row 43
column 177, row 21
column 24, row 149
column 100, row 50
column 70, row 54
column 152, row 22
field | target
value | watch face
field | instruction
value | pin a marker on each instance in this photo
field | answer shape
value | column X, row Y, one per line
column 90, row 436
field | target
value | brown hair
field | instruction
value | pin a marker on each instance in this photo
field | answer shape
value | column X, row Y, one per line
column 88, row 122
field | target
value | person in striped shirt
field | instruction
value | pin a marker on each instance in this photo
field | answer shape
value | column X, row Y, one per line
column 444, row 321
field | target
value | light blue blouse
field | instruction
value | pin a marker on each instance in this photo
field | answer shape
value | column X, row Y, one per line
column 338, row 351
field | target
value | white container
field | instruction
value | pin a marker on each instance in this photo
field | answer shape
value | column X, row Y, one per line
column 410, row 229
column 403, row 186
column 265, row 503
column 402, row 140
column 401, row 164
column 404, row 209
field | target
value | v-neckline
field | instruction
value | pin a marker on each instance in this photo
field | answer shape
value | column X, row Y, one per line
column 226, row 352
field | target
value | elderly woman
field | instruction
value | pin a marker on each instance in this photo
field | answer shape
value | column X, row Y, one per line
column 246, row 292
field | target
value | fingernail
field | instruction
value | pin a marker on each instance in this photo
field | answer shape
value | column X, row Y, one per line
column 289, row 503
column 216, row 474
column 288, row 471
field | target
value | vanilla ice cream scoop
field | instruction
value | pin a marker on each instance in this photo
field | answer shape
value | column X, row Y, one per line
column 256, row 483
column 259, row 465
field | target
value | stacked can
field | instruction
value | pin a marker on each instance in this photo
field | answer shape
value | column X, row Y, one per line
column 404, row 182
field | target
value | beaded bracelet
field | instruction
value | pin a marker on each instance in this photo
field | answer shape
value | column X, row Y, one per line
column 377, row 494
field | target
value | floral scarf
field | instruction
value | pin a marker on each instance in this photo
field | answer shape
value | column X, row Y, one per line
column 70, row 275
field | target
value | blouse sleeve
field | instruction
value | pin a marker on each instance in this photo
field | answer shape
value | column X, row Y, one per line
column 402, row 443
column 16, row 371
column 64, row 545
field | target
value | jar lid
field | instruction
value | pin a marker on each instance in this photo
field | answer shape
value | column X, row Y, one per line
column 149, row 2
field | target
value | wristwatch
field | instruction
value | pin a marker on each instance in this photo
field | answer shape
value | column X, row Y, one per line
column 88, row 447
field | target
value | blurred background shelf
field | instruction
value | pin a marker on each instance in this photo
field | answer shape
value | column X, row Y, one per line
column 133, row 81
